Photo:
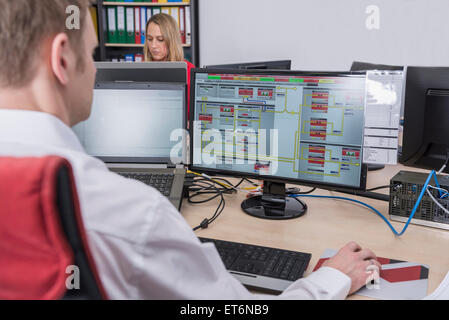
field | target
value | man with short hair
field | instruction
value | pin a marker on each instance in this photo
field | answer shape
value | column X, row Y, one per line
column 142, row 246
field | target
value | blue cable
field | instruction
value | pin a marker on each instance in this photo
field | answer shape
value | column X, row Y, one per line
column 432, row 173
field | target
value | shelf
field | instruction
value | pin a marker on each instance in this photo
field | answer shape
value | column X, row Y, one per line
column 134, row 45
column 107, row 51
column 131, row 45
column 147, row 4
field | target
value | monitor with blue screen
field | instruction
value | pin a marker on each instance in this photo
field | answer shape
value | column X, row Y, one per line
column 281, row 127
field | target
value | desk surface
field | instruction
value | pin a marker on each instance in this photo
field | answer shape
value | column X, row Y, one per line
column 331, row 223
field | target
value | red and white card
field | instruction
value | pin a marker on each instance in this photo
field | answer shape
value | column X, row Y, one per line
column 398, row 280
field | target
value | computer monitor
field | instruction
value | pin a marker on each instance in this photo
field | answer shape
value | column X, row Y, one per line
column 426, row 118
column 133, row 122
column 134, row 114
column 281, row 127
column 364, row 66
column 272, row 65
column 167, row 72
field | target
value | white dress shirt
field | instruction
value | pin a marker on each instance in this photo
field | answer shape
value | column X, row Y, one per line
column 141, row 244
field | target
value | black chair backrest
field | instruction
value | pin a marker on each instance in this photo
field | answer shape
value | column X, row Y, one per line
column 89, row 288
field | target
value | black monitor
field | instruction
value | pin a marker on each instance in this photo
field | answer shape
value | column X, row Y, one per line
column 426, row 118
column 167, row 72
column 364, row 66
column 281, row 127
column 272, row 65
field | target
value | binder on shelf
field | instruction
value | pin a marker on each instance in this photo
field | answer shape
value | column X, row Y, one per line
column 104, row 26
column 93, row 13
column 156, row 10
column 129, row 57
column 143, row 24
column 174, row 12
column 162, row 1
column 182, row 24
column 138, row 57
column 121, row 24
column 112, row 25
column 149, row 14
column 137, row 28
column 165, row 10
column 130, row 37
column 188, row 27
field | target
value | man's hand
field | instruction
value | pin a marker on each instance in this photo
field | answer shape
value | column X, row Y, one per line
column 354, row 261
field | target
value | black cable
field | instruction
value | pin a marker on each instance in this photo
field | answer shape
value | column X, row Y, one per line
column 238, row 184
column 253, row 183
column 388, row 186
column 208, row 186
column 378, row 188
column 224, row 180
column 222, row 187
column 295, row 190
column 202, row 201
column 365, row 194
column 203, row 185
column 205, row 223
column 202, row 190
column 308, row 192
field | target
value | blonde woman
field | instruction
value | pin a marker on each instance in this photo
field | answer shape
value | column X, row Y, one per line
column 164, row 43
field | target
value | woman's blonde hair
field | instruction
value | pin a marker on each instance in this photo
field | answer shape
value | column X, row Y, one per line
column 172, row 37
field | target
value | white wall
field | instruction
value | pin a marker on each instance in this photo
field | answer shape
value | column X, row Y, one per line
column 324, row 34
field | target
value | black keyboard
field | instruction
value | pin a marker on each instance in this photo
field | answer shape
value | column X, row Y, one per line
column 258, row 267
column 160, row 181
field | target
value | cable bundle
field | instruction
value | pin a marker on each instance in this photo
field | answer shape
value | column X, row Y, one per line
column 202, row 185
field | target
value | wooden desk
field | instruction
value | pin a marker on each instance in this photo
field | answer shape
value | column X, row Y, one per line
column 331, row 223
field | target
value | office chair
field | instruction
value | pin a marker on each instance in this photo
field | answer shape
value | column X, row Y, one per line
column 43, row 247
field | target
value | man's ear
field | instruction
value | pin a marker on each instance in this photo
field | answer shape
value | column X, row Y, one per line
column 61, row 58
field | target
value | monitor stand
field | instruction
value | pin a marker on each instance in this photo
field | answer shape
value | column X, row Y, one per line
column 374, row 167
column 274, row 203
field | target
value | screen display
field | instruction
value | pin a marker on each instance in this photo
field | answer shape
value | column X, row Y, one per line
column 296, row 126
column 132, row 123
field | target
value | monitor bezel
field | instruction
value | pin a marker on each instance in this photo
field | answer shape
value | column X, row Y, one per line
column 240, row 174
column 272, row 64
column 167, row 71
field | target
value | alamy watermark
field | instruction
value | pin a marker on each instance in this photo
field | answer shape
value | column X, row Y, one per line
column 72, row 22
column 373, row 280
column 72, row 281
column 372, row 21
column 255, row 147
